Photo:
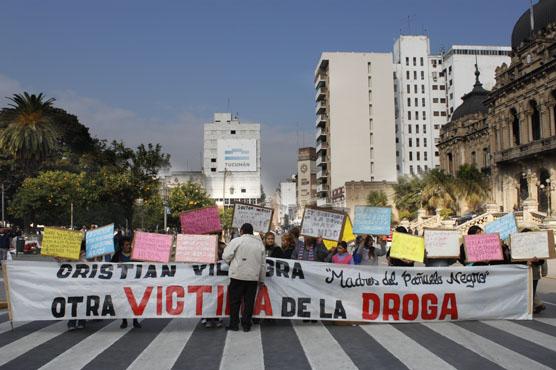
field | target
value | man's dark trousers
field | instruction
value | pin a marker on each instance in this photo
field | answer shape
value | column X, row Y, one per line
column 242, row 290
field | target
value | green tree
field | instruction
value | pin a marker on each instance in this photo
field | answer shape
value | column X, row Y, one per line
column 472, row 185
column 186, row 197
column 439, row 190
column 149, row 215
column 28, row 133
column 226, row 215
column 408, row 196
column 377, row 199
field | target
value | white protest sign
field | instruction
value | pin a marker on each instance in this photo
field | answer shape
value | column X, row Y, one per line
column 526, row 246
column 259, row 217
column 442, row 243
column 196, row 248
column 322, row 223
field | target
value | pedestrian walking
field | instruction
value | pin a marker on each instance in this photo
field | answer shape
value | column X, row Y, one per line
column 246, row 257
column 5, row 242
column 124, row 255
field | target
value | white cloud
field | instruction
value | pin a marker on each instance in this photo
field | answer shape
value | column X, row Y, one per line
column 181, row 135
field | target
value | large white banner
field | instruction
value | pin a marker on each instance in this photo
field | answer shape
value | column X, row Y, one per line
column 237, row 155
column 293, row 290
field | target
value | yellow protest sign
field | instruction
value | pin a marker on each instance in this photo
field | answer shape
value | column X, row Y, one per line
column 61, row 243
column 347, row 235
column 408, row 247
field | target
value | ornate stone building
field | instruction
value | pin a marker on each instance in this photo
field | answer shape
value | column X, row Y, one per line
column 522, row 111
column 465, row 140
column 510, row 132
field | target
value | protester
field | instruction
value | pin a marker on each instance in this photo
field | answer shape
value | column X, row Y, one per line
column 340, row 255
column 124, row 255
column 395, row 261
column 473, row 230
column 365, row 253
column 212, row 322
column 309, row 250
column 536, row 265
column 247, row 260
column 272, row 250
column 288, row 245
column 5, row 241
column 295, row 232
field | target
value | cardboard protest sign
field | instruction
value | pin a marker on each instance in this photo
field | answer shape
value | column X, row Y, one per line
column 442, row 243
column 196, row 248
column 259, row 217
column 61, row 243
column 318, row 222
column 100, row 241
column 347, row 235
column 151, row 247
column 201, row 221
column 504, row 226
column 482, row 247
column 372, row 220
column 526, row 246
column 407, row 247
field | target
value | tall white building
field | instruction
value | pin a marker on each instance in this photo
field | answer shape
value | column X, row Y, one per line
column 428, row 88
column 288, row 201
column 355, row 120
column 459, row 63
column 232, row 160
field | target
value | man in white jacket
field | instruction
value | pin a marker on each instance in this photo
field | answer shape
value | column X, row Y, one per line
column 246, row 257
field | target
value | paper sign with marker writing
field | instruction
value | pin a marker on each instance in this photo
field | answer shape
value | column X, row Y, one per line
column 408, row 247
column 259, row 217
column 372, row 220
column 504, row 226
column 197, row 248
column 347, row 235
column 442, row 243
column 201, row 221
column 483, row 247
column 526, row 246
column 100, row 241
column 322, row 223
column 151, row 247
column 61, row 243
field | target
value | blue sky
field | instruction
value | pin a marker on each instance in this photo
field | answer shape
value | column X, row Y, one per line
column 155, row 71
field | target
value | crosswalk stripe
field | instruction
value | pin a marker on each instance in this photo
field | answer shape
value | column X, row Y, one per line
column 321, row 349
column 85, row 351
column 546, row 321
column 28, row 342
column 484, row 347
column 243, row 348
column 408, row 351
column 165, row 349
column 6, row 326
column 523, row 332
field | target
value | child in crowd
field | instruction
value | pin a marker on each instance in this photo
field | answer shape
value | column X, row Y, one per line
column 340, row 255
column 124, row 255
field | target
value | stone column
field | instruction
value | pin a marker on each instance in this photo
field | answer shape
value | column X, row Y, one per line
column 524, row 127
column 545, row 120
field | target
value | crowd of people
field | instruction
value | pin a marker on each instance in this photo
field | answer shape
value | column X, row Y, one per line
column 244, row 257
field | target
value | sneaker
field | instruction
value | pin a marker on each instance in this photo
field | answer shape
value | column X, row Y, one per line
column 203, row 322
column 123, row 325
column 209, row 324
column 136, row 324
column 71, row 327
column 219, row 323
column 81, row 325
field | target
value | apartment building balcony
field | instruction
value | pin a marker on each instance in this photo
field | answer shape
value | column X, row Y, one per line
column 322, row 175
column 321, row 120
column 526, row 150
column 321, row 107
column 322, row 188
column 320, row 79
column 321, row 161
column 321, row 94
column 320, row 134
column 321, row 147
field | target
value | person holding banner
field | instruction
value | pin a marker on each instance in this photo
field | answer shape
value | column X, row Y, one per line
column 247, row 260
column 536, row 265
column 272, row 250
column 124, row 255
column 288, row 246
column 365, row 252
column 310, row 250
column 473, row 230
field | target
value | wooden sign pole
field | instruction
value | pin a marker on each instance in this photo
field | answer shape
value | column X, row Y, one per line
column 7, row 290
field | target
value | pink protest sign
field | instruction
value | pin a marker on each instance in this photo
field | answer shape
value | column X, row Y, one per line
column 200, row 221
column 197, row 248
column 151, row 247
column 483, row 247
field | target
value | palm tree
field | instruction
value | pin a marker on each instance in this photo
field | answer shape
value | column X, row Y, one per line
column 377, row 199
column 29, row 134
column 408, row 195
column 438, row 190
column 472, row 185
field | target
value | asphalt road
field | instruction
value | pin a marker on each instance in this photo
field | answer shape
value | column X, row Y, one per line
column 183, row 343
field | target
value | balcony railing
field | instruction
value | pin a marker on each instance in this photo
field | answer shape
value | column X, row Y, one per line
column 322, row 188
column 321, row 107
column 526, row 150
column 321, row 94
column 321, row 161
column 321, row 147
column 320, row 134
column 321, row 120
column 322, row 174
